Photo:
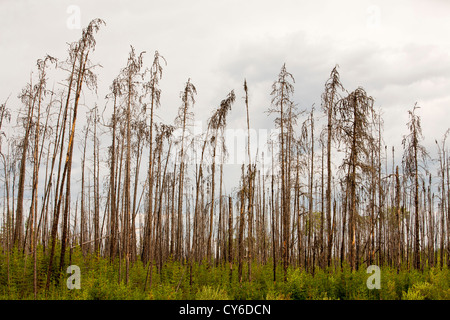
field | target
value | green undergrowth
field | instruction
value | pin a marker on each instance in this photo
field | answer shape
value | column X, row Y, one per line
column 102, row 280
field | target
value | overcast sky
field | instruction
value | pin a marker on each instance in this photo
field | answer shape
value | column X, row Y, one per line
column 397, row 50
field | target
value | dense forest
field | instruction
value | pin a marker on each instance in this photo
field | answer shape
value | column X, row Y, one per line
column 151, row 222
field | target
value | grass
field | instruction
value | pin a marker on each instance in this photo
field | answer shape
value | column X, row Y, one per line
column 101, row 280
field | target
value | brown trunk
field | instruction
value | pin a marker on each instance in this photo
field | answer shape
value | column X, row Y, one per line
column 230, row 236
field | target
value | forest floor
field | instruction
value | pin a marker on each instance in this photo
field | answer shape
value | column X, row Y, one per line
column 101, row 280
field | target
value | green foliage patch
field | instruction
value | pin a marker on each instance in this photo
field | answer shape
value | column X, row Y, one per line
column 102, row 279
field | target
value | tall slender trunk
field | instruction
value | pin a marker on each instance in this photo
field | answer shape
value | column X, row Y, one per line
column 250, row 188
column 416, row 206
column 274, row 258
column 127, row 194
column 148, row 243
column 230, row 236
column 241, row 229
column 80, row 77
column 211, row 217
column 311, row 183
column 328, row 191
column 112, row 205
column 18, row 230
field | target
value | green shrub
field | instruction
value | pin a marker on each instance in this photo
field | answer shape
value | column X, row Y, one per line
column 211, row 293
column 101, row 279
